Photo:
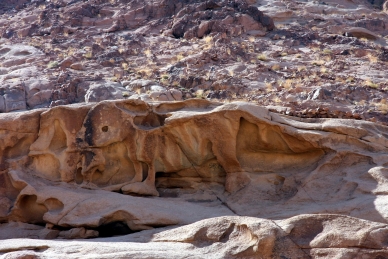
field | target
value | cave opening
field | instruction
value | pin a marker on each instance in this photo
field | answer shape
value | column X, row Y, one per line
column 116, row 228
column 78, row 176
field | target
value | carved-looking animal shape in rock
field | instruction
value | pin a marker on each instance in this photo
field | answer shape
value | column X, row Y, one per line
column 54, row 153
column 154, row 143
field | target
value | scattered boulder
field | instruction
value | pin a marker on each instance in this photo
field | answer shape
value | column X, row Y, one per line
column 77, row 66
column 360, row 32
column 38, row 91
column 319, row 94
column 140, row 83
column 66, row 63
column 176, row 94
column 14, row 98
column 101, row 91
column 165, row 95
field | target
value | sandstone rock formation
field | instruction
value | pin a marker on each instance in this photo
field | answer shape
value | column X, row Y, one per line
column 118, row 167
column 193, row 129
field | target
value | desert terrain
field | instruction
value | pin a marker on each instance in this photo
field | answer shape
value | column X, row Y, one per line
column 193, row 129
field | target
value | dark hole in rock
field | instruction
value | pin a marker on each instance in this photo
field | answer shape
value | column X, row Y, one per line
column 105, row 129
column 78, row 176
column 118, row 191
column 226, row 236
column 152, row 120
column 145, row 170
column 162, row 174
column 54, row 205
column 116, row 228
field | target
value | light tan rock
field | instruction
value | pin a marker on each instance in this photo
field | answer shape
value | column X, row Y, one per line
column 305, row 236
column 77, row 169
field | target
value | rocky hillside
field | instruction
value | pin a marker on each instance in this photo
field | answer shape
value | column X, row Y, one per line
column 193, row 129
column 300, row 58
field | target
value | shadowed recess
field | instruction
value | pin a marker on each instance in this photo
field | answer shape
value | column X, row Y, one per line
column 152, row 120
column 116, row 228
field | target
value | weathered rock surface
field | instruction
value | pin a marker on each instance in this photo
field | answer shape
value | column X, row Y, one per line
column 118, row 167
column 104, row 91
column 97, row 142
column 305, row 236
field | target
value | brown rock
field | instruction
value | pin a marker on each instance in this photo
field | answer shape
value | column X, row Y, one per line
column 360, row 32
column 66, row 62
column 77, row 66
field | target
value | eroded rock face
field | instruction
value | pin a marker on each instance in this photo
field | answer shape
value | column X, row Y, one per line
column 129, row 165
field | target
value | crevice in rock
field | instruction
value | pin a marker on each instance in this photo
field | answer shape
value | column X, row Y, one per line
column 226, row 205
column 226, row 236
column 78, row 176
column 144, row 170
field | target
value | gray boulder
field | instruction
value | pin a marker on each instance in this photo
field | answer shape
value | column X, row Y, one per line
column 98, row 92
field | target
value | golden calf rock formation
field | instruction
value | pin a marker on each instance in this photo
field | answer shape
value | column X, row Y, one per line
column 246, row 182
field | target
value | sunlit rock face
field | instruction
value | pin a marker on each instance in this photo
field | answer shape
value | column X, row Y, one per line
column 118, row 167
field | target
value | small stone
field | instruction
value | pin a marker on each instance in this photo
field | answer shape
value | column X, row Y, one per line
column 66, row 63
column 77, row 66
column 163, row 98
column 145, row 97
column 125, row 83
column 169, row 96
column 49, row 225
column 157, row 88
column 176, row 94
column 118, row 72
column 155, row 95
